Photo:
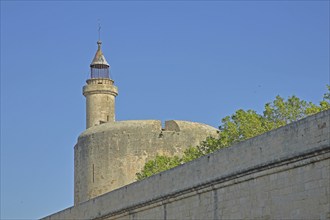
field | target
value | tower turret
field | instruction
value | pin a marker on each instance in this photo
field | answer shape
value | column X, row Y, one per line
column 100, row 92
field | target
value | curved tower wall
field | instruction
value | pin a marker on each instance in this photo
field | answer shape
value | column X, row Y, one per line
column 100, row 101
column 108, row 156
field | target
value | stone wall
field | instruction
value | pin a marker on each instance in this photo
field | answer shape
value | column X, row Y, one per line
column 100, row 96
column 280, row 174
column 108, row 156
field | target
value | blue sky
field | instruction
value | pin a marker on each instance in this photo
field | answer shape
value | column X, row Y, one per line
column 187, row 60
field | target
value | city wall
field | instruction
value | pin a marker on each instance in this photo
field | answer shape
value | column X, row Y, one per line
column 280, row 174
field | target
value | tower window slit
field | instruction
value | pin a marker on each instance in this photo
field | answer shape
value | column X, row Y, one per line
column 93, row 173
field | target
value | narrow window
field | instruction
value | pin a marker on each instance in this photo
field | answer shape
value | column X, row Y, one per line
column 93, row 173
column 107, row 117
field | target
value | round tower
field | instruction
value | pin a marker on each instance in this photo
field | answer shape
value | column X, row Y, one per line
column 109, row 155
column 100, row 92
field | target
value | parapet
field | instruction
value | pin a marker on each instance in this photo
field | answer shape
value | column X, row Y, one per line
column 100, row 86
column 186, row 126
column 152, row 126
column 129, row 126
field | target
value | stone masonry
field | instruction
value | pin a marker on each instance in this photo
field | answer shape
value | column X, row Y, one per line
column 282, row 174
column 100, row 101
column 109, row 155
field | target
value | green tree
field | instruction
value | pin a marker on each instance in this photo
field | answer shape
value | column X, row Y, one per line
column 240, row 126
column 159, row 164
column 323, row 105
column 281, row 112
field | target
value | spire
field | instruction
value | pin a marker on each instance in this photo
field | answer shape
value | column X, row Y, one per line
column 100, row 68
column 99, row 60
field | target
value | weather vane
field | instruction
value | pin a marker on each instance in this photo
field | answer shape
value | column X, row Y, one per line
column 99, row 30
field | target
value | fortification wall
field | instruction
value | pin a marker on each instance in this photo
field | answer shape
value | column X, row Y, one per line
column 109, row 155
column 280, row 174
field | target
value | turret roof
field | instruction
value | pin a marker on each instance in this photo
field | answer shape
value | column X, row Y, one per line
column 99, row 58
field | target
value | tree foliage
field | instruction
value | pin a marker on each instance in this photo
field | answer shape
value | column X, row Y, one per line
column 159, row 164
column 240, row 126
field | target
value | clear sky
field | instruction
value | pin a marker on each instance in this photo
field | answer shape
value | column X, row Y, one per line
column 187, row 60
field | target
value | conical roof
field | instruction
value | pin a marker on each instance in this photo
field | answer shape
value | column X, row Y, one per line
column 99, row 58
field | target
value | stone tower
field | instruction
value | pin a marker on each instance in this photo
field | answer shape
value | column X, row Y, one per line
column 100, row 92
column 109, row 153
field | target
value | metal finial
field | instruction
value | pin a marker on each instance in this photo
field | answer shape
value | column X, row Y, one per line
column 99, row 30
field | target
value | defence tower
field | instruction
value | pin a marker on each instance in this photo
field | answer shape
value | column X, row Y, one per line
column 100, row 92
column 109, row 153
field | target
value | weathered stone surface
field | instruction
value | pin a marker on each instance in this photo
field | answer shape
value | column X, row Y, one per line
column 282, row 174
column 100, row 101
column 109, row 155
